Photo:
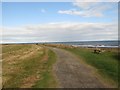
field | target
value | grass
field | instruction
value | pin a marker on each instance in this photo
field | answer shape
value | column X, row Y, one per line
column 106, row 63
column 11, row 48
column 48, row 80
column 34, row 70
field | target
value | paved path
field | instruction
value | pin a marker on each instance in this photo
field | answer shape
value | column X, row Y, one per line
column 73, row 74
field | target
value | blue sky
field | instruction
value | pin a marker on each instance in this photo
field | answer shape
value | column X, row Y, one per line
column 21, row 13
column 41, row 21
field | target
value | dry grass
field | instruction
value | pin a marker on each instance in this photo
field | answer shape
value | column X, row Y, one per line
column 24, row 65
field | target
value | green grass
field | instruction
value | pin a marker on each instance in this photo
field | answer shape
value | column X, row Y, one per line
column 48, row 79
column 106, row 63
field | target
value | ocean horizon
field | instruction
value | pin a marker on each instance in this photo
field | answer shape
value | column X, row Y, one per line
column 105, row 43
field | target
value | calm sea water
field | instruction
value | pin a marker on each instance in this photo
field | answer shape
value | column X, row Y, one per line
column 91, row 43
column 84, row 43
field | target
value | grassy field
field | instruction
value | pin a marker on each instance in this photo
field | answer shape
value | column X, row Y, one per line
column 28, row 66
column 106, row 63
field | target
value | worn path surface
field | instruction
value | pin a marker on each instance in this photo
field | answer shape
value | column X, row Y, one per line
column 73, row 74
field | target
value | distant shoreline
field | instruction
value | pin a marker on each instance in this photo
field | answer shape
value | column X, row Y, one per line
column 92, row 46
column 89, row 44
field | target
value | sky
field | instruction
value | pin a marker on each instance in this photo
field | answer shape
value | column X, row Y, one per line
column 27, row 22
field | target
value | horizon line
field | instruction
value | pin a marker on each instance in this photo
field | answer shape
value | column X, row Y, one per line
column 55, row 42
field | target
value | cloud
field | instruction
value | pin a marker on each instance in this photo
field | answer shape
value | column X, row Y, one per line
column 85, row 4
column 87, row 9
column 61, row 31
column 90, row 13
column 71, row 12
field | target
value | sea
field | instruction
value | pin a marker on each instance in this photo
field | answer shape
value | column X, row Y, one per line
column 112, row 44
column 109, row 44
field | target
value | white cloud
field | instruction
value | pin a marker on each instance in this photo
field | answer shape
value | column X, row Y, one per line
column 85, row 4
column 71, row 12
column 61, row 32
column 88, row 9
column 90, row 13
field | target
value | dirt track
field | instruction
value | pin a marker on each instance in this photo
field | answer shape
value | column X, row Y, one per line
column 73, row 74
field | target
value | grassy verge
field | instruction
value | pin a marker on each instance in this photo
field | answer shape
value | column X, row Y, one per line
column 48, row 79
column 34, row 69
column 106, row 63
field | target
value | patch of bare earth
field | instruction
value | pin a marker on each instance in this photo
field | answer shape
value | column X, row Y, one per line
column 71, row 73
